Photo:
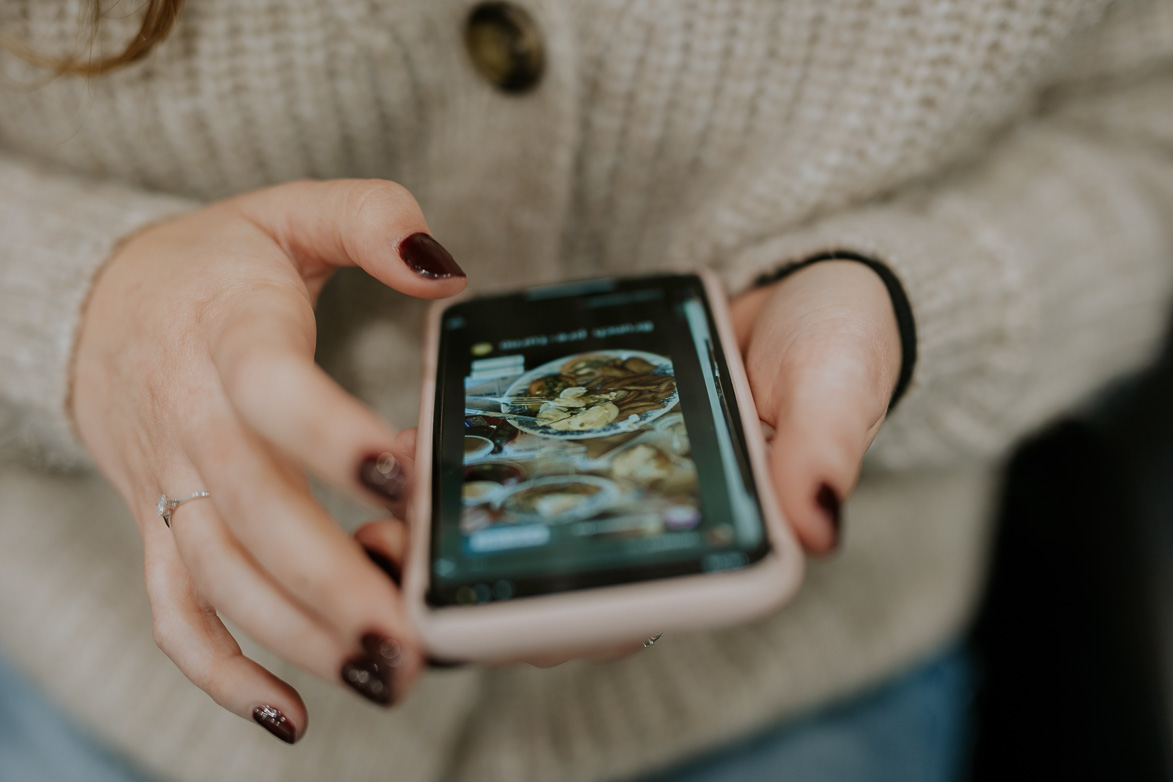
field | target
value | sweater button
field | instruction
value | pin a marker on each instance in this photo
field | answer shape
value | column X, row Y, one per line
column 506, row 46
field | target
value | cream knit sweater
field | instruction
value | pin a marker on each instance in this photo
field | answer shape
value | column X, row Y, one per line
column 1012, row 162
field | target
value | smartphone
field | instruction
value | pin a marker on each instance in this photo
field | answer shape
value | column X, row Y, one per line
column 590, row 472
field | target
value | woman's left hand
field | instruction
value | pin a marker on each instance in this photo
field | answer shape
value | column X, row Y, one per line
column 822, row 352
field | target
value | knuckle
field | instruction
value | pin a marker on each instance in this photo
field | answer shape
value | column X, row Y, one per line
column 166, row 626
column 371, row 201
column 279, row 192
column 163, row 630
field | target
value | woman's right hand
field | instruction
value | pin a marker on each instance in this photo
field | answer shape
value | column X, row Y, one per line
column 194, row 370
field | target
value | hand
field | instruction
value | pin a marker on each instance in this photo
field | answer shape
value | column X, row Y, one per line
column 822, row 352
column 194, row 370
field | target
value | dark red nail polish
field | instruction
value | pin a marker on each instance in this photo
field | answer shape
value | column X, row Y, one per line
column 386, row 565
column 828, row 500
column 372, row 673
column 428, row 258
column 383, row 474
column 272, row 720
column 364, row 676
column 386, row 651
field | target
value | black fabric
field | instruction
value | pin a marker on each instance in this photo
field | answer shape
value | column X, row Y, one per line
column 1074, row 638
column 900, row 305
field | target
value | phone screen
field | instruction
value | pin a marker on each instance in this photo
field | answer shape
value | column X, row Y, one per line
column 586, row 435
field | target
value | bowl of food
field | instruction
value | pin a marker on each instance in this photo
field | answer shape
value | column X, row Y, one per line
column 479, row 492
column 485, row 481
column 642, row 464
column 672, row 428
column 504, row 473
column 498, row 430
column 475, row 446
column 592, row 394
column 558, row 499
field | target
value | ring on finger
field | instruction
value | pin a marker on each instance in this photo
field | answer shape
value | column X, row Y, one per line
column 165, row 507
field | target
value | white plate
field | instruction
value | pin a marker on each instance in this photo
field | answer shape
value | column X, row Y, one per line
column 596, row 503
column 483, row 446
column 520, row 387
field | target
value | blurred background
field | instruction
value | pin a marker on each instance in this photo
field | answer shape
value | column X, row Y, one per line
column 1074, row 641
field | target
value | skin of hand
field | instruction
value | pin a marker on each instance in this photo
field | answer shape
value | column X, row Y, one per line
column 194, row 370
column 822, row 354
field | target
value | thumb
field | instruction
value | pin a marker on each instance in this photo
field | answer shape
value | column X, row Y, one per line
column 826, row 418
column 371, row 223
column 822, row 356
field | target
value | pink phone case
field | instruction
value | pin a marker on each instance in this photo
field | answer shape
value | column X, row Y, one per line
column 599, row 617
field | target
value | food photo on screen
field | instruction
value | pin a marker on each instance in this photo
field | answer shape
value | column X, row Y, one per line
column 593, row 442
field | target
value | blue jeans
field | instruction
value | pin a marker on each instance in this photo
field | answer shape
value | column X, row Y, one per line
column 911, row 729
column 38, row 743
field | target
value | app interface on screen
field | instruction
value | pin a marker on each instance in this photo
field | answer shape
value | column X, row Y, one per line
column 597, row 445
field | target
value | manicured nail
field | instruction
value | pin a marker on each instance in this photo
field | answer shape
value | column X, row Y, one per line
column 275, row 722
column 364, row 676
column 828, row 500
column 428, row 258
column 383, row 475
column 372, row 673
column 386, row 565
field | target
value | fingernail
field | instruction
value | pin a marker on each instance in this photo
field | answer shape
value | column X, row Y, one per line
column 275, row 722
column 428, row 258
column 386, row 565
column 828, row 500
column 383, row 475
column 372, row 673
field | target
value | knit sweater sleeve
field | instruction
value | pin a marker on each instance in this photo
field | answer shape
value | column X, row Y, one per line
column 56, row 230
column 1035, row 274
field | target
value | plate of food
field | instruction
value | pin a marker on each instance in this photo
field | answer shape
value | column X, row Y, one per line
column 593, row 394
column 559, row 498
column 483, row 482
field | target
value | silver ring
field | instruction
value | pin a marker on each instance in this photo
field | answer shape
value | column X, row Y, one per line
column 165, row 507
column 653, row 639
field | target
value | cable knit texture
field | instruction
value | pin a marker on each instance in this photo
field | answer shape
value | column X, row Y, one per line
column 1012, row 162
